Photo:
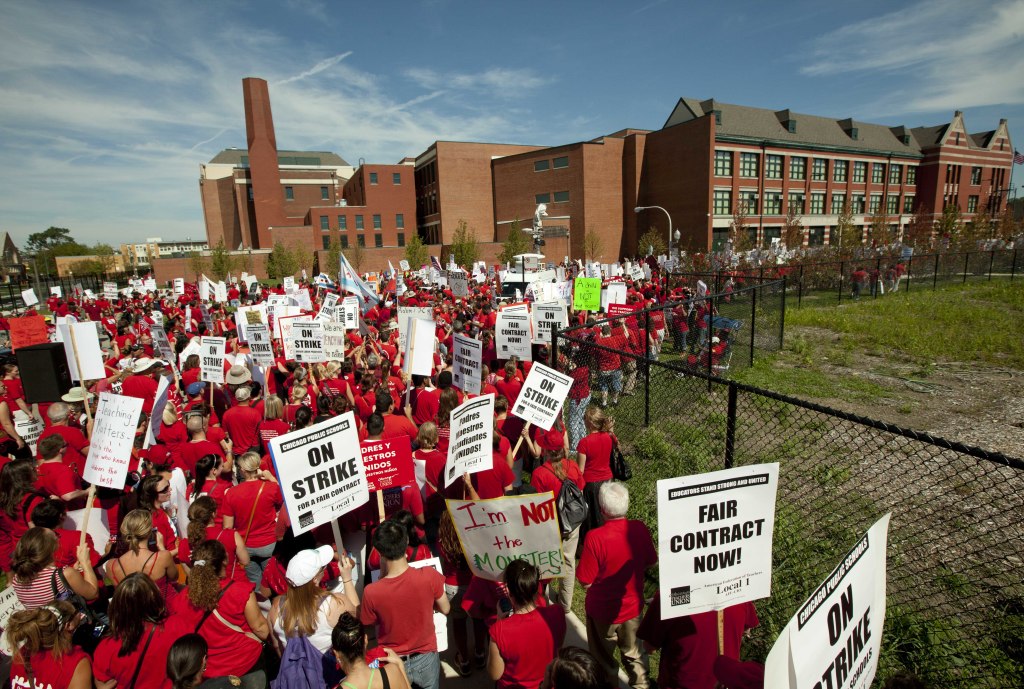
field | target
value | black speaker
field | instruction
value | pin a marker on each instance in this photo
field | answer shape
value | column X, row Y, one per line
column 45, row 375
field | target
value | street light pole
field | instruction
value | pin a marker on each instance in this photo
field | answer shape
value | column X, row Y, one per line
column 644, row 208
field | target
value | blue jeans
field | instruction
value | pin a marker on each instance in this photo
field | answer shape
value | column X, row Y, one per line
column 610, row 381
column 424, row 670
column 258, row 558
column 577, row 429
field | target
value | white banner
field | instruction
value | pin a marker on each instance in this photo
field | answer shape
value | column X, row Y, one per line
column 419, row 350
column 87, row 344
column 614, row 293
column 260, row 346
column 334, row 341
column 513, row 336
column 110, row 447
column 467, row 357
column 472, row 430
column 515, row 527
column 540, row 401
column 321, row 472
column 211, row 359
column 545, row 315
column 308, row 342
column 715, row 538
column 834, row 638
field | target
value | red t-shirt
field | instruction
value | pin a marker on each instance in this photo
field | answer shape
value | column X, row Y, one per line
column 76, row 442
column 402, row 607
column 49, row 672
column 239, row 502
column 580, row 389
column 396, row 426
column 230, row 653
column 527, row 643
column 141, row 387
column 544, row 479
column 240, row 423
column 597, row 447
column 187, row 454
column 55, row 478
column 509, row 389
column 615, row 557
column 427, row 403
column 108, row 664
column 270, row 429
column 227, row 539
column 491, row 483
column 67, row 547
column 609, row 360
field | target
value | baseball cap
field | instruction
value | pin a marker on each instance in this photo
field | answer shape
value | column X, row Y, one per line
column 195, row 388
column 306, row 564
column 242, row 394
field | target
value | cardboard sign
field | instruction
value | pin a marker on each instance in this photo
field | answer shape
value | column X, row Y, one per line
column 204, row 290
column 284, row 326
column 545, row 316
column 307, row 339
column 260, row 346
column 27, row 331
column 191, row 348
column 157, row 417
column 835, row 636
column 207, row 318
column 9, row 604
column 321, row 472
column 513, row 335
column 403, row 264
column 614, row 293
column 87, row 344
column 110, row 447
column 467, row 358
column 246, row 315
column 419, row 350
column 459, row 283
column 520, row 527
column 388, row 463
column 29, row 428
column 149, row 284
column 406, row 314
column 56, row 292
column 349, row 313
column 334, row 341
column 587, row 294
column 715, row 538
column 326, row 312
column 29, row 297
column 472, row 431
column 161, row 344
column 179, row 286
column 540, row 401
column 211, row 359
column 288, row 283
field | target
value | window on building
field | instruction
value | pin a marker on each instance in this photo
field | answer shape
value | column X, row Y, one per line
column 797, row 167
column 840, row 169
column 817, row 204
column 360, row 240
column 796, row 202
column 911, row 174
column 396, row 178
column 342, row 222
column 400, row 220
column 748, row 202
column 769, row 234
column 972, row 204
column 908, row 204
column 344, row 242
column 250, row 192
column 773, row 166
column 838, row 201
column 752, row 233
column 895, row 173
column 376, row 221
column 857, row 205
column 373, row 178
column 819, row 170
column 773, row 203
column 401, row 239
column 542, row 198
column 560, row 162
column 876, row 203
column 378, row 240
column 860, row 172
column 324, row 194
column 289, row 193
column 359, row 222
column 326, row 239
column 816, row 235
column 723, row 202
column 540, row 165
column 975, row 176
column 749, row 163
column 877, row 173
column 723, row 163
column 325, row 224
column 561, row 196
column 892, row 204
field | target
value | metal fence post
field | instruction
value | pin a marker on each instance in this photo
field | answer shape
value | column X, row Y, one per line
column 753, row 323
column 647, row 369
column 874, row 285
column 967, row 259
column 910, row 272
column 935, row 274
column 782, row 316
column 711, row 346
column 554, row 345
column 991, row 262
column 730, row 427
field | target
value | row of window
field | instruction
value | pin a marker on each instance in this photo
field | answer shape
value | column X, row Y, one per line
column 396, row 179
column 797, row 203
column 815, row 236
column 750, row 167
column 559, row 197
column 556, row 163
column 325, row 221
column 378, row 240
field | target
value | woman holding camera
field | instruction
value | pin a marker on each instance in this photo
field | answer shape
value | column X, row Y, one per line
column 144, row 554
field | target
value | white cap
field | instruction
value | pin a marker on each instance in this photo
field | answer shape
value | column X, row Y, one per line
column 307, row 564
column 145, row 363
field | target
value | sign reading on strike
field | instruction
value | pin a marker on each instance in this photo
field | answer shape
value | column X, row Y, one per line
column 545, row 316
column 308, row 342
column 260, row 345
column 467, row 357
column 512, row 334
column 540, row 401
column 715, row 538
column 326, row 312
column 321, row 472
column 472, row 431
column 495, row 532
column 349, row 313
column 211, row 359
column 110, row 447
column 388, row 463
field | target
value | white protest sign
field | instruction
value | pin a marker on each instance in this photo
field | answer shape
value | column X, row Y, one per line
column 179, row 286
column 515, row 527
column 211, row 359
column 288, row 283
column 246, row 315
column 207, row 318
column 321, row 472
column 204, row 290
column 161, row 344
column 110, row 290
column 834, row 638
column 327, row 307
column 459, row 283
column 87, row 344
column 540, row 401
column 419, row 350
column 472, row 428
column 406, row 314
column 545, row 316
column 614, row 293
column 10, row 604
column 702, row 288
column 29, row 428
column 513, row 335
column 284, row 325
column 110, row 447
column 715, row 538
column 56, row 292
column 157, row 417
column 29, row 296
column 260, row 345
column 149, row 284
column 403, row 264
column 308, row 342
column 467, row 357
column 191, row 348
column 334, row 341
column 302, row 299
column 349, row 313
column 220, row 291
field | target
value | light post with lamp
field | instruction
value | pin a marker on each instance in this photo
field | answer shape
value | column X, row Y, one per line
column 671, row 235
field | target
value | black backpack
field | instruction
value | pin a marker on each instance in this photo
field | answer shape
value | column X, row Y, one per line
column 572, row 506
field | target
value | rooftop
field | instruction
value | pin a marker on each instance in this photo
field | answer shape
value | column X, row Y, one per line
column 239, row 157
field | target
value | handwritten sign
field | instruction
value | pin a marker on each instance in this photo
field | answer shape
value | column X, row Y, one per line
column 472, row 433
column 459, row 283
column 110, row 447
column 587, row 294
column 388, row 463
column 334, row 341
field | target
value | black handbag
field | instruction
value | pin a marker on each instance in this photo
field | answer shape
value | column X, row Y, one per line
column 88, row 634
column 619, row 465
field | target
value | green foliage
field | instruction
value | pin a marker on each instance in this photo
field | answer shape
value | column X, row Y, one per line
column 416, row 253
column 333, row 257
column 845, row 234
column 282, row 261
column 464, row 245
column 651, row 238
column 196, row 264
column 950, row 226
column 516, row 243
column 222, row 263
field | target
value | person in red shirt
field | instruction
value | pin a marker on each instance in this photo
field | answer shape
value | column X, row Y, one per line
column 510, row 386
column 242, row 421
column 77, row 444
column 609, row 376
column 615, row 558
column 395, row 425
column 251, row 508
column 42, row 638
column 142, row 384
column 55, row 477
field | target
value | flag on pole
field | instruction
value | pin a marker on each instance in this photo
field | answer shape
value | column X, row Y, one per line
column 1018, row 157
column 349, row 281
column 436, row 263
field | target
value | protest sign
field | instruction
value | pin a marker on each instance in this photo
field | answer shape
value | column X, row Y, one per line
column 260, row 346
column 834, row 638
column 288, row 283
column 545, row 316
column 283, row 326
column 29, row 296
column 27, row 331
column 10, row 604
column 56, row 292
column 715, row 538
column 388, row 463
column 179, row 286
column 110, row 446
column 472, row 431
column 702, row 288
column 326, row 312
column 614, row 293
column 162, row 344
column 403, row 264
column 513, row 335
column 29, row 428
column 459, row 283
column 157, row 417
column 516, row 527
column 211, row 359
column 207, row 318
column 419, row 350
column 587, row 294
column 85, row 347
column 246, row 315
column 349, row 313
column 334, row 341
column 467, row 357
column 204, row 290
column 619, row 310
column 302, row 300
column 308, row 342
column 540, row 401
column 406, row 314
column 321, row 472
column 149, row 284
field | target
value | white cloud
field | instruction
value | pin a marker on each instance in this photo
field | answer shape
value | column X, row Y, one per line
column 496, row 81
column 316, row 69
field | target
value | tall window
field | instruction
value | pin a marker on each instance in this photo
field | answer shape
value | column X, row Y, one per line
column 560, row 162
column 876, row 203
column 895, row 173
column 857, row 205
column 911, row 174
column 400, row 220
column 344, row 242
column 749, row 163
column 819, row 170
column 342, row 222
column 797, row 167
column 773, row 166
column 748, row 201
column 396, row 178
column 796, row 202
column 908, row 204
column 359, row 222
column 975, row 176
column 401, row 239
column 817, row 204
column 324, row 223
column 373, row 178
column 723, row 202
column 860, row 172
column 838, row 201
column 376, row 221
column 773, row 203
column 326, row 240
column 840, row 168
column 972, row 204
column 892, row 204
column 877, row 173
column 324, row 194
column 723, row 163
column 360, row 240
column 289, row 193
column 378, row 240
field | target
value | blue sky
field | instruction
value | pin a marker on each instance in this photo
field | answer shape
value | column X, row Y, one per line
column 107, row 109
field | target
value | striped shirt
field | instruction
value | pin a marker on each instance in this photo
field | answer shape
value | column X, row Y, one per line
column 39, row 591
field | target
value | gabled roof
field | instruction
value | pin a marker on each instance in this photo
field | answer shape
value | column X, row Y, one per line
column 240, row 157
column 930, row 136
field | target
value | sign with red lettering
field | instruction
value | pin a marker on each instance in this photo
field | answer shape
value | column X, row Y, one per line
column 619, row 310
column 388, row 463
column 27, row 331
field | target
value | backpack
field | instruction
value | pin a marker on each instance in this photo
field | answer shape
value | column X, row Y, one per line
column 302, row 666
column 572, row 506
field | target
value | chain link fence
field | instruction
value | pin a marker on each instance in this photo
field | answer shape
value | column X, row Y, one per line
column 10, row 292
column 956, row 541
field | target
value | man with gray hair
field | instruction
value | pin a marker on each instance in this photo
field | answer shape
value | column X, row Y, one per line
column 77, row 449
column 615, row 558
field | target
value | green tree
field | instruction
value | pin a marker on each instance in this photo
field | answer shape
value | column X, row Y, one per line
column 592, row 245
column 282, row 262
column 105, row 257
column 464, row 246
column 45, row 246
column 878, row 226
column 918, row 233
column 416, row 253
column 222, row 262
column 1006, row 226
column 196, row 264
column 739, row 232
column 792, row 230
column 651, row 241
column 515, row 243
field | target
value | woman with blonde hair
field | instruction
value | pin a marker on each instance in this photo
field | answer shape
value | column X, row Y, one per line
column 38, row 580
column 202, row 526
column 45, row 655
column 140, row 537
column 251, row 507
column 296, row 399
column 272, row 424
column 594, row 455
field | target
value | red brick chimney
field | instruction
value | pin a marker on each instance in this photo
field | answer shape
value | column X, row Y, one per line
column 268, row 196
